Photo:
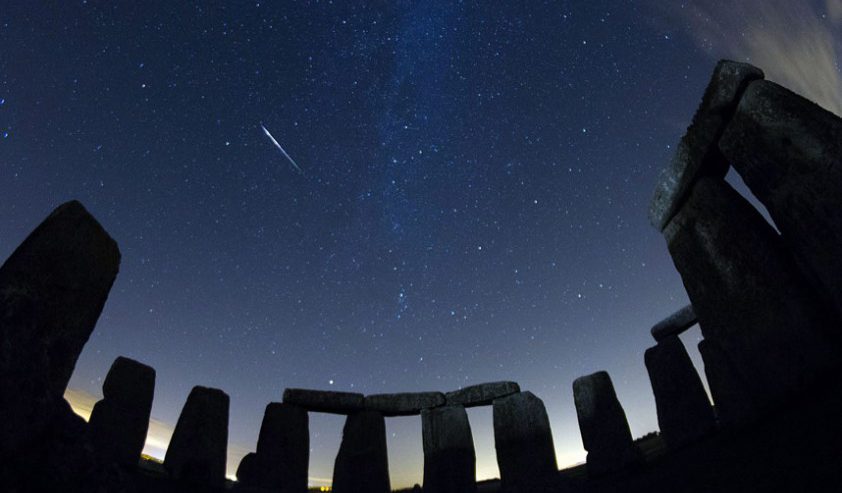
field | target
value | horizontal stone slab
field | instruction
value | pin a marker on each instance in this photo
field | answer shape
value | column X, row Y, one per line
column 482, row 394
column 675, row 324
column 405, row 404
column 325, row 401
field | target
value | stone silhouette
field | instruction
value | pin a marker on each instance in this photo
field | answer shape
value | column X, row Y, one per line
column 362, row 464
column 406, row 404
column 325, row 401
column 482, row 394
column 602, row 422
column 119, row 422
column 449, row 457
column 675, row 324
column 733, row 401
column 198, row 449
column 283, row 451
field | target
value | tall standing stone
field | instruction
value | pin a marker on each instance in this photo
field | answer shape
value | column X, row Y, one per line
column 684, row 412
column 362, row 464
column 449, row 457
column 748, row 294
column 602, row 422
column 788, row 151
column 119, row 422
column 524, row 443
column 198, row 449
column 52, row 290
column 733, row 401
column 283, row 451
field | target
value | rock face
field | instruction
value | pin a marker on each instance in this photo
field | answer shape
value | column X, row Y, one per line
column 675, row 324
column 449, row 457
column 198, row 449
column 602, row 422
column 362, row 464
column 407, row 404
column 283, row 451
column 684, row 412
column 789, row 153
column 733, row 401
column 119, row 422
column 325, row 401
column 482, row 394
column 524, row 443
column 749, row 295
column 52, row 290
column 697, row 153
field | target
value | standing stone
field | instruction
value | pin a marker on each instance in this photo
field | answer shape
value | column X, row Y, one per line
column 524, row 443
column 749, row 295
column 449, row 457
column 362, row 464
column 675, row 324
column 283, row 451
column 684, row 412
column 481, row 394
column 788, row 151
column 697, row 153
column 602, row 422
column 732, row 399
column 119, row 422
column 52, row 290
column 198, row 449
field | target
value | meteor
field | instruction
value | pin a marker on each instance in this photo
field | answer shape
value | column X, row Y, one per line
column 291, row 160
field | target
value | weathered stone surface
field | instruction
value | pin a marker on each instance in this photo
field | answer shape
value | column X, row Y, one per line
column 52, row 290
column 524, row 443
column 789, row 152
column 733, row 402
column 602, row 422
column 198, row 449
column 406, row 404
column 119, row 422
column 748, row 293
column 684, row 412
column 362, row 464
column 325, row 401
column 283, row 451
column 697, row 153
column 675, row 324
column 482, row 394
column 449, row 457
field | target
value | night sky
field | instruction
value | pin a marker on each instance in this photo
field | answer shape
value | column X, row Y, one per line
column 471, row 204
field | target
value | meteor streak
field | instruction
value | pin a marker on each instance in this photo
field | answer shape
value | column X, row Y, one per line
column 291, row 160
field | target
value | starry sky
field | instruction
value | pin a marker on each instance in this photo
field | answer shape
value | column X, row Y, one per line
column 471, row 204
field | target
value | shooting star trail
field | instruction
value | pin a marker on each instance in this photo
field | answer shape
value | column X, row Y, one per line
column 291, row 160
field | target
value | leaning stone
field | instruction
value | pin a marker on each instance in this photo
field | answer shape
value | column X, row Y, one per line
column 283, row 451
column 449, row 457
column 697, row 153
column 524, row 443
column 749, row 295
column 684, row 412
column 407, row 404
column 119, row 422
column 733, row 403
column 602, row 422
column 482, row 394
column 675, row 324
column 788, row 151
column 52, row 290
column 197, row 452
column 325, row 401
column 362, row 464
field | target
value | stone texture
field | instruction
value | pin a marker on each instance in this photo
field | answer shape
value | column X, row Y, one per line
column 283, row 451
column 197, row 452
column 482, row 394
column 602, row 422
column 406, row 404
column 749, row 295
column 789, row 152
column 362, row 464
column 675, row 324
column 449, row 457
column 524, row 443
column 684, row 412
column 119, row 422
column 732, row 399
column 697, row 153
column 325, row 401
column 52, row 290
